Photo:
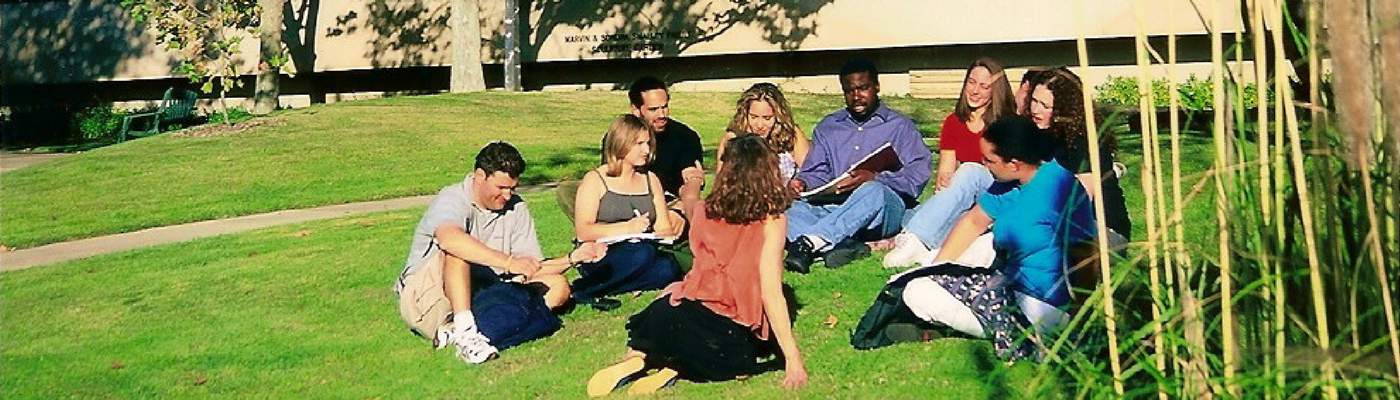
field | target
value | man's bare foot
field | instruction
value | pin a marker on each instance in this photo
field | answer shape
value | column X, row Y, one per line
column 881, row 245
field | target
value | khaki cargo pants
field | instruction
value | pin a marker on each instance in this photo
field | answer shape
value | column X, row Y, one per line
column 422, row 304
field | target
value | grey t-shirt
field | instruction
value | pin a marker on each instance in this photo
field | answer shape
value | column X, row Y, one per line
column 509, row 230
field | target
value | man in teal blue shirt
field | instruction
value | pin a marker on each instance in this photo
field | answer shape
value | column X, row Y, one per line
column 1035, row 224
column 1032, row 225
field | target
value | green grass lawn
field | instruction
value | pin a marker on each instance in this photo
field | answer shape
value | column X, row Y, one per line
column 307, row 310
column 338, row 153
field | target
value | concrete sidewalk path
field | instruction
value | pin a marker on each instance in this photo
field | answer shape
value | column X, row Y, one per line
column 83, row 248
column 13, row 161
column 101, row 245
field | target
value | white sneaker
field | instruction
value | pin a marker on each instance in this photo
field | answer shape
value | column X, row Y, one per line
column 443, row 337
column 473, row 347
column 907, row 250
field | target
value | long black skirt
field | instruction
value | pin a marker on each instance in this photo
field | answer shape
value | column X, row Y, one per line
column 699, row 344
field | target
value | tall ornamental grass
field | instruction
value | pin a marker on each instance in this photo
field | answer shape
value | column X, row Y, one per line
column 1291, row 296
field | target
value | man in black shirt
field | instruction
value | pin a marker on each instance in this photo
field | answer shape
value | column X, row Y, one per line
column 678, row 151
column 678, row 157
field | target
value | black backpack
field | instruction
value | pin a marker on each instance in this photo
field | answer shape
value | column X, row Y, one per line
column 889, row 306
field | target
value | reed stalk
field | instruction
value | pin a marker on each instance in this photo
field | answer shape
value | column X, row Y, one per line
column 1110, row 319
column 1373, row 237
column 1221, row 167
column 1314, row 71
column 1281, row 65
column 1265, row 198
column 1324, row 338
column 1158, row 189
column 1194, row 373
column 1261, row 76
column 1173, row 243
column 1145, row 113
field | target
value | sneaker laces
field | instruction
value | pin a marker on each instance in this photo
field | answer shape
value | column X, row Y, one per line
column 475, row 348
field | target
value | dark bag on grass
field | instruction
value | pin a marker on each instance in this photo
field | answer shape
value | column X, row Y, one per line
column 889, row 306
column 510, row 313
column 685, row 258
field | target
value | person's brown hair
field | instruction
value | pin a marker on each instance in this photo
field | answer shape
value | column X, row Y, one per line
column 1033, row 76
column 750, row 188
column 784, row 128
column 1067, row 121
column 623, row 132
column 1002, row 101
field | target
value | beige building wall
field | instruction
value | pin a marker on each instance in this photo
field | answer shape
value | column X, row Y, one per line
column 56, row 42
column 50, row 42
column 639, row 29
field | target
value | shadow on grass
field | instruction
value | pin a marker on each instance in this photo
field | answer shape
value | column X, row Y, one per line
column 570, row 164
column 70, row 148
column 561, row 165
column 988, row 366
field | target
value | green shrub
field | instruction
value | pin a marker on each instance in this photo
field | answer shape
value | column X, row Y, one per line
column 1123, row 91
column 97, row 123
column 1118, row 91
column 1195, row 94
column 235, row 114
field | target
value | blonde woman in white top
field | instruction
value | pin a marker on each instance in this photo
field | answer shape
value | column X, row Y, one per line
column 763, row 111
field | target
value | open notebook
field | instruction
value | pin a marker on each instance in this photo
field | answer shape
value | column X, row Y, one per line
column 882, row 159
column 635, row 237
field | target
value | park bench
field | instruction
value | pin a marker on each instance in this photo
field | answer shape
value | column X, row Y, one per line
column 176, row 105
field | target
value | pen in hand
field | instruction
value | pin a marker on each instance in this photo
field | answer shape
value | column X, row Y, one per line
column 638, row 216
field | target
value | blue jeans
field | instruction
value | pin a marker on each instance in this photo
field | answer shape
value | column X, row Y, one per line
column 932, row 220
column 872, row 208
column 628, row 267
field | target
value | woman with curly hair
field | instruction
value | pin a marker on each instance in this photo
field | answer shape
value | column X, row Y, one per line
column 1023, row 91
column 762, row 111
column 715, row 323
column 1056, row 105
column 986, row 97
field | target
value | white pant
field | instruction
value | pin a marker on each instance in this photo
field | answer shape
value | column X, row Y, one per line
column 931, row 302
column 1046, row 319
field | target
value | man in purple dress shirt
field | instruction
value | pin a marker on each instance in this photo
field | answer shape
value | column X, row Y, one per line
column 868, row 205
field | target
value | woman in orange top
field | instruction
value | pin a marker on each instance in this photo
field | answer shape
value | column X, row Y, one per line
column 715, row 323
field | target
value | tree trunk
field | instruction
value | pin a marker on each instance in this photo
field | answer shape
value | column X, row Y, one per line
column 1388, row 30
column 512, row 45
column 1349, row 40
column 223, row 99
column 466, row 48
column 270, row 58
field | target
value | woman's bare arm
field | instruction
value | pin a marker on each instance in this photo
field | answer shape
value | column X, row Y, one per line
column 770, row 276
